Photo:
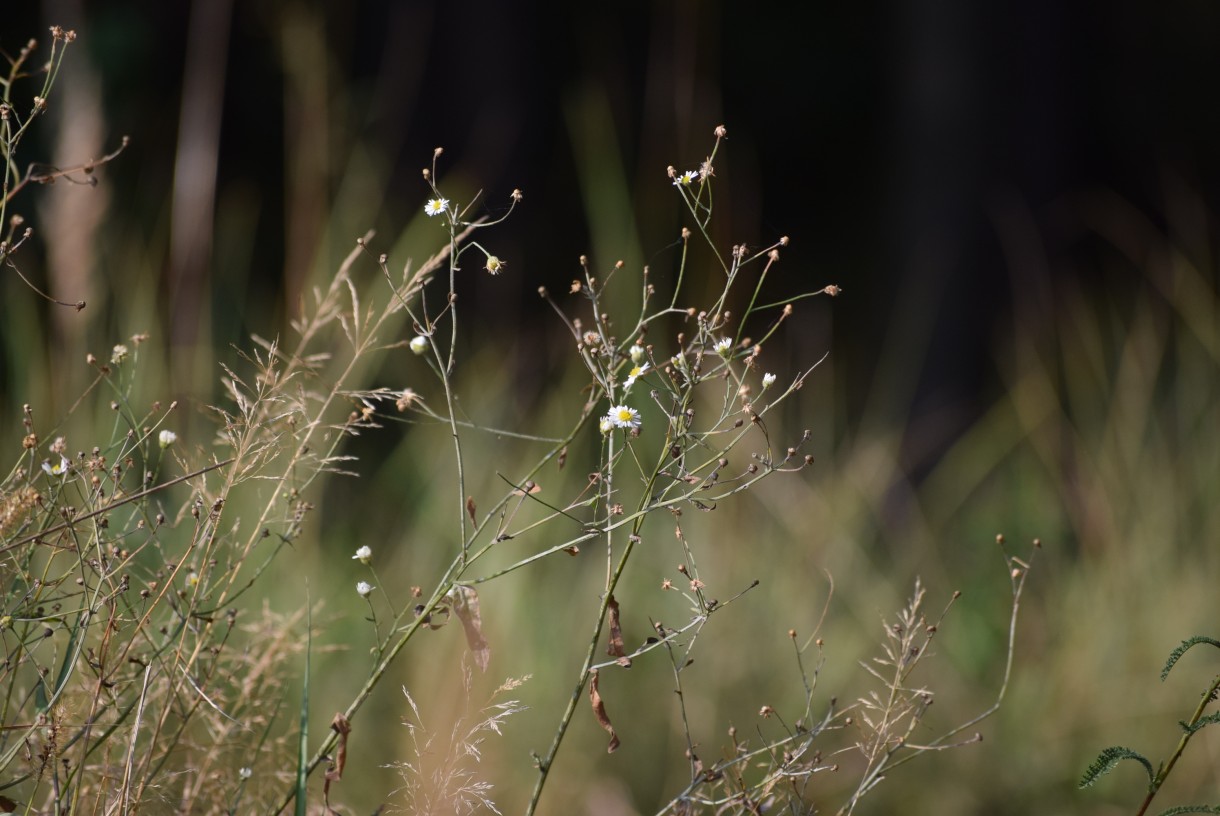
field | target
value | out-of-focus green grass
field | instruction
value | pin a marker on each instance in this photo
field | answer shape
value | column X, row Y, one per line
column 1104, row 445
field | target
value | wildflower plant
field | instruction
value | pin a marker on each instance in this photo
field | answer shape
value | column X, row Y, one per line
column 675, row 394
column 16, row 120
column 142, row 668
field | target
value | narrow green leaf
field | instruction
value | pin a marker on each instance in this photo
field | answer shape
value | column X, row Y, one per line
column 1177, row 653
column 1110, row 757
column 1174, row 811
column 303, row 742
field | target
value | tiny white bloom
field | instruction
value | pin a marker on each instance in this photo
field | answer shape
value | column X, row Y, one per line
column 58, row 469
column 363, row 555
column 722, row 347
column 624, row 417
column 192, row 579
column 637, row 353
column 419, row 344
column 364, row 588
column 679, row 362
column 768, row 380
column 436, row 206
column 686, row 178
column 119, row 354
column 636, row 373
column 246, row 773
column 606, row 425
column 167, row 438
column 494, row 265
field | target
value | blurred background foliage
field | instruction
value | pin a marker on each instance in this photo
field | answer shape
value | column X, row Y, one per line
column 1017, row 199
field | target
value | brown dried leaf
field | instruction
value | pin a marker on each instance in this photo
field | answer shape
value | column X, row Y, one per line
column 529, row 488
column 615, row 647
column 599, row 711
column 334, row 773
column 466, row 606
column 470, row 508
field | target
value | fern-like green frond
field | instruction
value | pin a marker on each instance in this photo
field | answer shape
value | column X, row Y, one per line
column 1177, row 653
column 1110, row 757
column 1174, row 811
column 1202, row 721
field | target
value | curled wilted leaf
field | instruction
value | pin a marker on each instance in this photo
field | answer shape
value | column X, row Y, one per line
column 615, row 647
column 466, row 607
column 599, row 711
column 334, row 773
column 470, row 508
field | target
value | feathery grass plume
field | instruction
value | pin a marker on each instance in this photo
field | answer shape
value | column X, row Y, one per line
column 441, row 777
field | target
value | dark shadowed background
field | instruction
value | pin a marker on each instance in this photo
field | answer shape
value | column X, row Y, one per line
column 999, row 188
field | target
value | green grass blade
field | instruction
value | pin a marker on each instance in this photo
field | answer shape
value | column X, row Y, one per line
column 303, row 741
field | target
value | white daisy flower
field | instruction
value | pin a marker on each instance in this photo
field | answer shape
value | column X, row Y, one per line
column 768, row 380
column 419, row 344
column 606, row 425
column 364, row 588
column 364, row 555
column 722, row 347
column 436, row 206
column 58, row 469
column 637, row 353
column 246, row 773
column 623, row 417
column 687, row 178
column 166, row 438
column 636, row 373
